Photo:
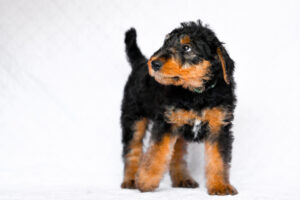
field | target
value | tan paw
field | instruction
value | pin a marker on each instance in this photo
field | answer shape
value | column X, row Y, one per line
column 129, row 184
column 188, row 183
column 146, row 186
column 226, row 189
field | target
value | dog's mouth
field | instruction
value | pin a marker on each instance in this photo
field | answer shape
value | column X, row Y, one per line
column 160, row 76
column 176, row 78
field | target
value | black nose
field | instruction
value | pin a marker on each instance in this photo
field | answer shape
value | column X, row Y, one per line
column 156, row 65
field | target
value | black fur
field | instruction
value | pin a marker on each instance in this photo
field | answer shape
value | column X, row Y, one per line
column 145, row 97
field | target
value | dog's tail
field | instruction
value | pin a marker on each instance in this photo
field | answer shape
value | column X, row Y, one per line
column 134, row 54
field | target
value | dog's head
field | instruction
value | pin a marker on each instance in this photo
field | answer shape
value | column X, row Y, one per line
column 190, row 57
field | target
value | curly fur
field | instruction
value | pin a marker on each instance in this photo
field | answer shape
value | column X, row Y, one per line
column 145, row 97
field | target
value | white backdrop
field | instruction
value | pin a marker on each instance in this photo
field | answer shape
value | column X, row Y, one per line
column 62, row 72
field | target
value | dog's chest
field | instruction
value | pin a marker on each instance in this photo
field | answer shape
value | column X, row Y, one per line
column 194, row 133
column 182, row 98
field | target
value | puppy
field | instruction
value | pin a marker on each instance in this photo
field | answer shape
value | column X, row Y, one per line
column 186, row 89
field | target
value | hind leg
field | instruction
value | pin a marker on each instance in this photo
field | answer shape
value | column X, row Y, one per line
column 178, row 167
column 133, row 134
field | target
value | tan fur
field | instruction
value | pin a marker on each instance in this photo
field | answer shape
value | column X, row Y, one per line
column 154, row 163
column 172, row 73
column 133, row 158
column 216, row 117
column 216, row 171
column 180, row 117
column 185, row 40
column 178, row 167
column 219, row 52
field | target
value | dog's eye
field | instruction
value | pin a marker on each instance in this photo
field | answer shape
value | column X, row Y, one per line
column 186, row 48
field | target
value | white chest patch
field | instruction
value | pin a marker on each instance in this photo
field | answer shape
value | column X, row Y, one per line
column 196, row 128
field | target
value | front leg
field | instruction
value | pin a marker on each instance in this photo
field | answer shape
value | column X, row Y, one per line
column 217, row 171
column 155, row 162
column 218, row 146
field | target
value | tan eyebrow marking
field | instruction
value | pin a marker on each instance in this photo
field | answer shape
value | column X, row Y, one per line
column 185, row 40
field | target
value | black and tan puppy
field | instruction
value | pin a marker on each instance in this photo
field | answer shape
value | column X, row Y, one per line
column 187, row 90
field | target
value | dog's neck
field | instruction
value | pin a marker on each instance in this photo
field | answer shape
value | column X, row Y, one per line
column 200, row 90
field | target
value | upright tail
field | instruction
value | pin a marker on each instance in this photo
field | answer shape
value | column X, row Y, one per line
column 134, row 54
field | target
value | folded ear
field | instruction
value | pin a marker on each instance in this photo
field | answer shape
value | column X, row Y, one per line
column 223, row 63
